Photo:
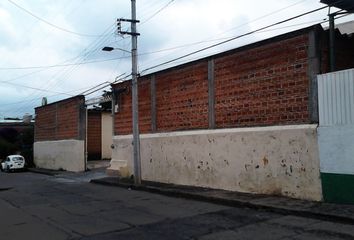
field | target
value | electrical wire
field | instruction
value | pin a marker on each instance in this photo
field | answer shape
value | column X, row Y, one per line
column 232, row 39
column 63, row 75
column 54, row 95
column 51, row 24
column 62, row 65
column 39, row 89
column 157, row 12
column 243, row 24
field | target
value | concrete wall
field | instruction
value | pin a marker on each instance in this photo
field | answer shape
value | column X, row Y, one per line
column 60, row 132
column 271, row 160
column 64, row 154
column 107, row 131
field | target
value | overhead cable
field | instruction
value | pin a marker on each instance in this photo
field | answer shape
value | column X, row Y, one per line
column 51, row 24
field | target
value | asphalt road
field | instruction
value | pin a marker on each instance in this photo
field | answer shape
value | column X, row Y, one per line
column 35, row 206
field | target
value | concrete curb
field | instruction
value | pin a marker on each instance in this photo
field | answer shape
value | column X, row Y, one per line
column 316, row 210
column 44, row 171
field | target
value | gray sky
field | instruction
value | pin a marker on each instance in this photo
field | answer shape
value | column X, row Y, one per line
column 38, row 35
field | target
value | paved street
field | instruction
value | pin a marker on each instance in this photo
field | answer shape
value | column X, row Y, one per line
column 35, row 206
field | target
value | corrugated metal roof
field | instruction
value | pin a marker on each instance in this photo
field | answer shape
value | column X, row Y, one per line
column 336, row 98
column 342, row 4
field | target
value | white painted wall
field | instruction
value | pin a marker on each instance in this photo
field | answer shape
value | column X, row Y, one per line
column 271, row 160
column 107, row 132
column 336, row 130
column 65, row 154
column 336, row 144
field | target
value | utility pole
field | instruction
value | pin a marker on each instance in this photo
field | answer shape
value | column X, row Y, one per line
column 332, row 39
column 135, row 107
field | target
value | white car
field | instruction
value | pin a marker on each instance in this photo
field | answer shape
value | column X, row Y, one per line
column 13, row 162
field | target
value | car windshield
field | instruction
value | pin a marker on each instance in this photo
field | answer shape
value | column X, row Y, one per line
column 17, row 158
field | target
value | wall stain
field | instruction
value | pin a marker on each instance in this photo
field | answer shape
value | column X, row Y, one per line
column 283, row 163
column 265, row 161
column 271, row 136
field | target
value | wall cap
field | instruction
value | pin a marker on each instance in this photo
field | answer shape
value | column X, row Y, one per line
column 220, row 131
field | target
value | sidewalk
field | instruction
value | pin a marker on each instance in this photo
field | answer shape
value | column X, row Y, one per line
column 324, row 211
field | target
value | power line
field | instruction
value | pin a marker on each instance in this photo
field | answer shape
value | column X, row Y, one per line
column 25, row 101
column 233, row 38
column 51, row 24
column 64, row 74
column 259, row 30
column 157, row 12
column 117, row 80
column 39, row 89
column 89, row 62
column 243, row 24
column 264, row 16
column 61, row 65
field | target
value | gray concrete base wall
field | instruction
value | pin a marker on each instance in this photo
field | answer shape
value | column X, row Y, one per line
column 280, row 160
column 65, row 154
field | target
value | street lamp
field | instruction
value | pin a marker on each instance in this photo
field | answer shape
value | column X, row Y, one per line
column 109, row 49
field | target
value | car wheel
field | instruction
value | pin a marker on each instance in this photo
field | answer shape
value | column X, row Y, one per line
column 7, row 168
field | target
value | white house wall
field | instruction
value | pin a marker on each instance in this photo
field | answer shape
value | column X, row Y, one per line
column 271, row 160
column 64, row 154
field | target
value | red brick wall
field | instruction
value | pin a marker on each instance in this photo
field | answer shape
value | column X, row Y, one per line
column 267, row 85
column 182, row 98
column 94, row 135
column 58, row 121
column 123, row 119
column 263, row 84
